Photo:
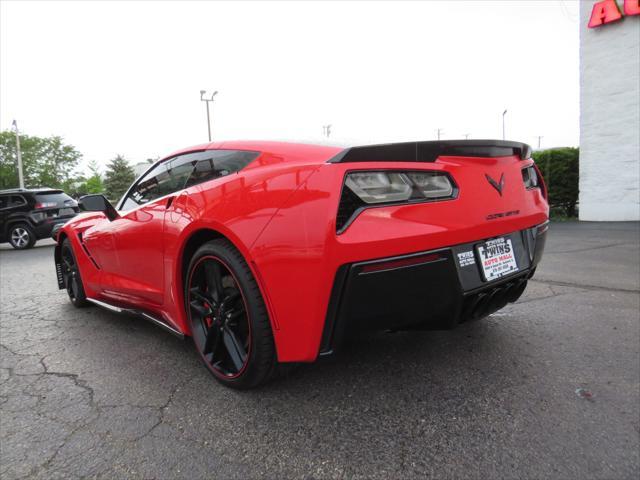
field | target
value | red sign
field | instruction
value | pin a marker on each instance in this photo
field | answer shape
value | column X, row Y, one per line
column 607, row 11
column 632, row 7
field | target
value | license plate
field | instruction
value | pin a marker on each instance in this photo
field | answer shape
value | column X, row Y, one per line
column 497, row 258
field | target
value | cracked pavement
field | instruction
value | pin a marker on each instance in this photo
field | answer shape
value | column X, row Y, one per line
column 88, row 393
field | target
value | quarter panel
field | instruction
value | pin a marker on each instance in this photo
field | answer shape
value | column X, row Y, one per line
column 299, row 252
column 238, row 207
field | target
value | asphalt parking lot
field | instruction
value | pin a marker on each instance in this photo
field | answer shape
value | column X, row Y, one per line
column 548, row 387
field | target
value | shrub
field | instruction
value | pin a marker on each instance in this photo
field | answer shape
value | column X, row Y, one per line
column 560, row 169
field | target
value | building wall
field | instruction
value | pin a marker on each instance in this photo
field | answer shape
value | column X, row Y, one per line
column 609, row 118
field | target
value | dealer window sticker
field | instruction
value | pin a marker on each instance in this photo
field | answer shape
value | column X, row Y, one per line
column 466, row 258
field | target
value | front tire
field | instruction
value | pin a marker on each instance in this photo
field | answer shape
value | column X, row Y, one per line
column 71, row 276
column 21, row 236
column 228, row 318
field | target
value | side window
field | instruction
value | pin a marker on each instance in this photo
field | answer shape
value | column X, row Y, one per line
column 144, row 191
column 166, row 178
column 16, row 201
column 178, row 171
column 219, row 163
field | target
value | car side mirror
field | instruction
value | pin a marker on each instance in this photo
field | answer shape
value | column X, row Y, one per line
column 98, row 203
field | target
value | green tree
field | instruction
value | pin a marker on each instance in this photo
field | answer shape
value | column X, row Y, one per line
column 46, row 161
column 560, row 168
column 94, row 182
column 118, row 178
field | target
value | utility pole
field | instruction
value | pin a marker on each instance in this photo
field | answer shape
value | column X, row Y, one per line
column 466, row 136
column 326, row 130
column 207, row 100
column 439, row 132
column 20, row 175
column 539, row 141
column 503, row 130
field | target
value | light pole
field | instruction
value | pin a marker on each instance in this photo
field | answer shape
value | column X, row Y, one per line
column 466, row 136
column 20, row 176
column 439, row 132
column 207, row 100
column 503, row 131
column 326, row 130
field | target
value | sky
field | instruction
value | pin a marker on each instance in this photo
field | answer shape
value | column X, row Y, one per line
column 124, row 77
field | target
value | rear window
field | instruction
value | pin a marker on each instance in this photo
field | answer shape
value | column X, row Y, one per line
column 220, row 163
column 53, row 199
column 57, row 197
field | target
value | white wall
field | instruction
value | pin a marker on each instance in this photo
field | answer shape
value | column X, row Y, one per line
column 609, row 118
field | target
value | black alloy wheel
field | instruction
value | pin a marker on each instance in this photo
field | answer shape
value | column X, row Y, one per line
column 71, row 275
column 229, row 323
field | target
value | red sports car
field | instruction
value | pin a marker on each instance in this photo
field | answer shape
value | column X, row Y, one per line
column 267, row 252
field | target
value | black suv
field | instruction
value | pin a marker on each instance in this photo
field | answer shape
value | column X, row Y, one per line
column 27, row 215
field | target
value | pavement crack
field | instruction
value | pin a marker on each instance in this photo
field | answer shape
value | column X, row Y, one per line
column 74, row 377
column 162, row 409
column 587, row 249
column 585, row 286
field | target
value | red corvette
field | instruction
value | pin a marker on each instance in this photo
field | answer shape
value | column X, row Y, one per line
column 268, row 252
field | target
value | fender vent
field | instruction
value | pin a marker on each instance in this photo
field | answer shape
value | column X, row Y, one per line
column 84, row 247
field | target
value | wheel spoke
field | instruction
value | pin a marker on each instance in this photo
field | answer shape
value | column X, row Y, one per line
column 229, row 299
column 213, row 340
column 202, row 296
column 199, row 334
column 236, row 314
column 235, row 349
column 214, row 280
column 199, row 308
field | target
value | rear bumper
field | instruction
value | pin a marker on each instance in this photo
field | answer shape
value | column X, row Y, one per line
column 45, row 228
column 427, row 290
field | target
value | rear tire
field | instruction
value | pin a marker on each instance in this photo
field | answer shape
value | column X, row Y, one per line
column 21, row 236
column 229, row 321
column 71, row 276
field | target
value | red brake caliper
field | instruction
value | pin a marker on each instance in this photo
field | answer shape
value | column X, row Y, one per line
column 208, row 319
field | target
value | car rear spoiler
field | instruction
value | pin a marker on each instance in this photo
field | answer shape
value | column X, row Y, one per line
column 431, row 150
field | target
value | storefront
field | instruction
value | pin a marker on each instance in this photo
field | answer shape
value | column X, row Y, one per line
column 610, row 110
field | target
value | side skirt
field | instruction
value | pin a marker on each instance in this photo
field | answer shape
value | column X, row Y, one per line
column 132, row 311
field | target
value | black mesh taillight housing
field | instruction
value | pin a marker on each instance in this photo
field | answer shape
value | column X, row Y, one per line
column 349, row 205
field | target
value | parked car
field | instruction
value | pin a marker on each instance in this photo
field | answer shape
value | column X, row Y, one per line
column 268, row 253
column 27, row 215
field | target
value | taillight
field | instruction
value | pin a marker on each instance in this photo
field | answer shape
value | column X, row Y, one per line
column 392, row 186
column 542, row 185
column 375, row 188
column 532, row 179
column 41, row 205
